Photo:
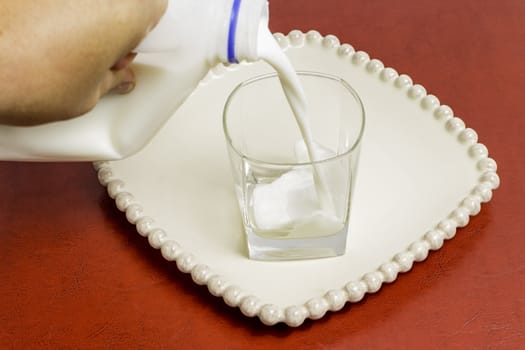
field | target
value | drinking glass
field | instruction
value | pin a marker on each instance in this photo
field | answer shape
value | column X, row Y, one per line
column 293, row 207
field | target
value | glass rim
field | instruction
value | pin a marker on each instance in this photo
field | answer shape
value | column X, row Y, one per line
column 265, row 76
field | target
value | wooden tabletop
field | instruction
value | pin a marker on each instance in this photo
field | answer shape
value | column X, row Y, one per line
column 75, row 274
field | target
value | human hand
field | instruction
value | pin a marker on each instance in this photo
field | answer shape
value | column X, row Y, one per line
column 58, row 57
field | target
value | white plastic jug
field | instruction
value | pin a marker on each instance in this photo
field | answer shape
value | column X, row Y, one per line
column 192, row 37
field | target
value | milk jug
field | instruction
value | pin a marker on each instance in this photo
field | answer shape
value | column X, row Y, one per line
column 192, row 37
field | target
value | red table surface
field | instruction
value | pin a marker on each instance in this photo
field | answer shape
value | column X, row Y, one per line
column 75, row 274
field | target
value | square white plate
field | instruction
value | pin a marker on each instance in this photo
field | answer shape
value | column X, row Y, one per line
column 421, row 175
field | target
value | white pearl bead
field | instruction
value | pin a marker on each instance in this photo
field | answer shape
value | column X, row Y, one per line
column 317, row 308
column 360, row 58
column 170, row 250
column 429, row 102
column 313, row 36
column 417, row 91
column 405, row 261
column 185, row 262
column 487, row 164
column 295, row 315
column 484, row 191
column 374, row 66
column 455, row 125
column 296, row 38
column 403, row 81
column 134, row 213
column 217, row 285
column 157, row 238
column 232, row 296
column 124, row 200
column 443, row 113
column 492, row 178
column 478, row 151
column 435, row 239
column 356, row 290
column 448, row 227
column 336, row 299
column 200, row 274
column 388, row 74
column 420, row 250
column 114, row 187
column 389, row 271
column 282, row 40
column 345, row 50
column 461, row 216
column 100, row 164
column 472, row 204
column 145, row 225
column 250, row 306
column 468, row 136
column 373, row 281
column 105, row 175
column 330, row 41
column 271, row 314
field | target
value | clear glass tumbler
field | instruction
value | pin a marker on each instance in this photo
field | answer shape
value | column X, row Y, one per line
column 293, row 208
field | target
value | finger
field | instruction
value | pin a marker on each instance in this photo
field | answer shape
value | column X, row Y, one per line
column 124, row 62
column 118, row 81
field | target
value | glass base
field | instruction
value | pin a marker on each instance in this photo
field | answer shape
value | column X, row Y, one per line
column 261, row 248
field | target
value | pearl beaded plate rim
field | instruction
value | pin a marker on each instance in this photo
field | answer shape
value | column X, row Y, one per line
column 422, row 174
